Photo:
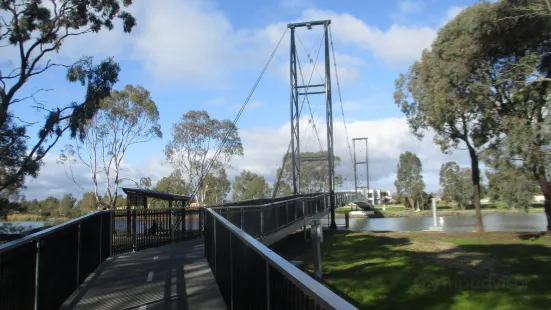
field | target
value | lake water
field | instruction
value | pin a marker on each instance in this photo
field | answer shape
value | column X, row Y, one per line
column 492, row 222
column 18, row 227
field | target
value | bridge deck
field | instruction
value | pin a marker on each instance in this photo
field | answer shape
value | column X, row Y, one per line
column 175, row 276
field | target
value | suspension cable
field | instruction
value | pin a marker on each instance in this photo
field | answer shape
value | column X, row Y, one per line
column 309, row 54
column 306, row 96
column 340, row 95
column 230, row 130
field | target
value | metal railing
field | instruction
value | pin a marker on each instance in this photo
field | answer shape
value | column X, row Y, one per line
column 138, row 229
column 41, row 270
column 251, row 276
column 259, row 218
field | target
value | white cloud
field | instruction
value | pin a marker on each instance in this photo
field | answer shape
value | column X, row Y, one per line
column 406, row 8
column 53, row 179
column 409, row 7
column 193, row 41
column 216, row 101
column 398, row 44
column 388, row 138
column 451, row 13
column 264, row 150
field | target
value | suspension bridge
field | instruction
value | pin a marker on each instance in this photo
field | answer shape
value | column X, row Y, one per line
column 208, row 257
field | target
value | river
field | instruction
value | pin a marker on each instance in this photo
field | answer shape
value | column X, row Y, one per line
column 492, row 222
column 19, row 227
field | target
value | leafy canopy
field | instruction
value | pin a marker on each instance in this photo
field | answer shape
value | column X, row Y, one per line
column 249, row 185
column 36, row 29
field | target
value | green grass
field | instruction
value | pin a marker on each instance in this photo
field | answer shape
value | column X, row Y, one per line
column 390, row 208
column 422, row 270
column 346, row 209
column 24, row 217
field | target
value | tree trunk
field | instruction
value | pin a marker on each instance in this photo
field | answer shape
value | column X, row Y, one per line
column 546, row 191
column 475, row 174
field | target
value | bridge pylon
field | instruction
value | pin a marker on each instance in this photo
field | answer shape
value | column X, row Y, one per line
column 296, row 91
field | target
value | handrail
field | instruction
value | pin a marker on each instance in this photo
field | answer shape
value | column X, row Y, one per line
column 323, row 296
column 155, row 209
column 43, row 233
column 269, row 204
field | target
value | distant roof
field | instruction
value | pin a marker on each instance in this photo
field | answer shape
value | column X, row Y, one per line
column 154, row 194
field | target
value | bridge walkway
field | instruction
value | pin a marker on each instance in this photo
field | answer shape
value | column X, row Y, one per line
column 175, row 276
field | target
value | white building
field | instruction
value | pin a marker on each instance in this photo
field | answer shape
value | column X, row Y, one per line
column 375, row 196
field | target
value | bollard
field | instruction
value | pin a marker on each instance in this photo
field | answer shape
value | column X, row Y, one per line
column 347, row 219
column 435, row 222
column 316, row 237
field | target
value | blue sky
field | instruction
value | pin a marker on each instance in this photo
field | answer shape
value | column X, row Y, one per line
column 207, row 54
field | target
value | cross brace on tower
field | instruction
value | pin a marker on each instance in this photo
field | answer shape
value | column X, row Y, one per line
column 298, row 90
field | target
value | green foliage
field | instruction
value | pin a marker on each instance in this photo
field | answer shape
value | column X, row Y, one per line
column 38, row 29
column 66, row 204
column 127, row 117
column 173, row 184
column 517, row 44
column 409, row 181
column 87, row 203
column 512, row 185
column 195, row 140
column 283, row 189
column 145, row 183
column 216, row 187
column 313, row 174
column 456, row 183
column 250, row 185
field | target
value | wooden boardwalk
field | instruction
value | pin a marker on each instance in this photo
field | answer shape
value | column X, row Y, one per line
column 175, row 276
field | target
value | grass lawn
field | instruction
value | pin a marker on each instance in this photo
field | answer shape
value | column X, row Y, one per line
column 432, row 270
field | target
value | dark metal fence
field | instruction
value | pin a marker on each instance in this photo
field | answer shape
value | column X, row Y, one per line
column 139, row 229
column 251, row 276
column 41, row 270
column 265, row 218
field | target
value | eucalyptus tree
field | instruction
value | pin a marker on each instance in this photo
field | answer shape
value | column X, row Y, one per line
column 127, row 117
column 33, row 31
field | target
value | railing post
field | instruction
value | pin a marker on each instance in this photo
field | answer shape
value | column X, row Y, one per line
column 242, row 218
column 100, row 234
column 286, row 212
column 231, row 272
column 201, row 228
column 134, row 248
column 268, row 303
column 277, row 217
column 296, row 211
column 111, row 235
column 262, row 221
column 214, row 237
column 36, row 274
column 170, row 221
column 78, row 254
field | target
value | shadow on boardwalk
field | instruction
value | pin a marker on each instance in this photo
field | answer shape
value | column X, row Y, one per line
column 175, row 276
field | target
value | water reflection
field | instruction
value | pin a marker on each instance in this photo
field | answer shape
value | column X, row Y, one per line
column 18, row 227
column 492, row 222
